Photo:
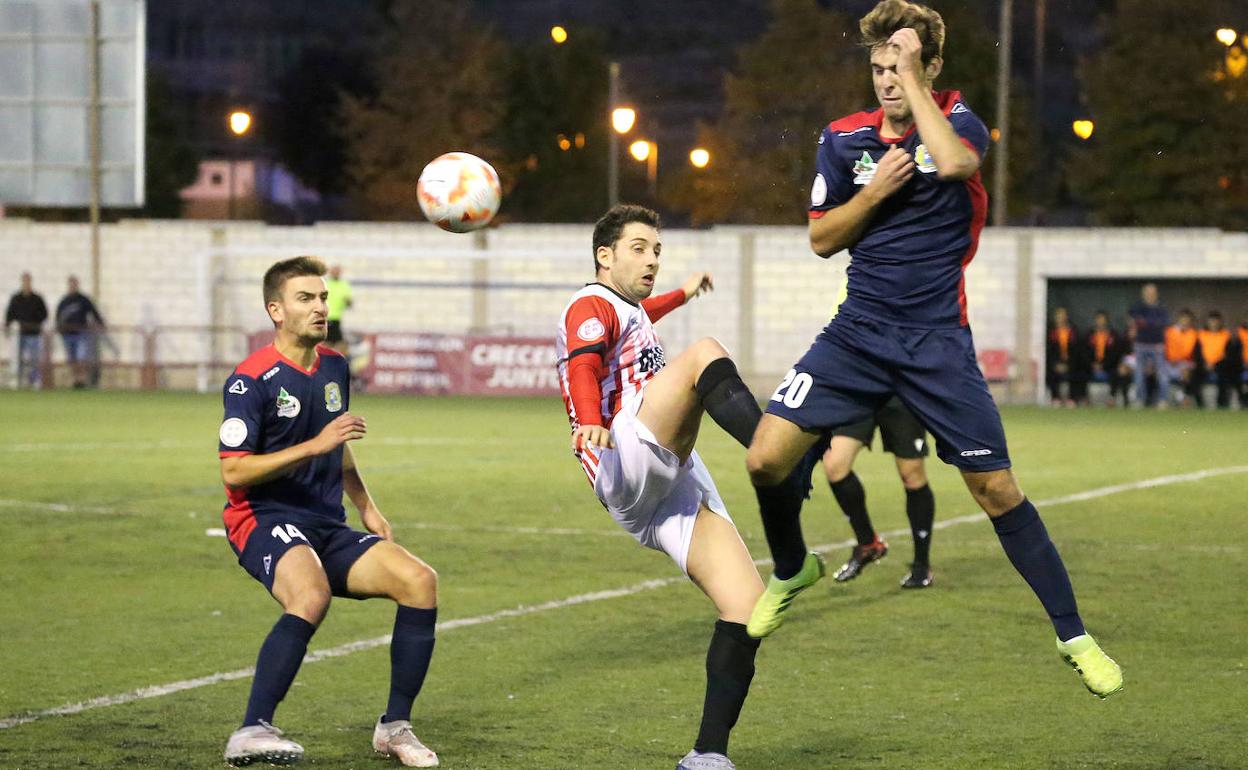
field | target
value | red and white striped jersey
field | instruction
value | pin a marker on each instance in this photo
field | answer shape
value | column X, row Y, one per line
column 597, row 320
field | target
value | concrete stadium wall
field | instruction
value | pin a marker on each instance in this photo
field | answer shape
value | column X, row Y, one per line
column 772, row 294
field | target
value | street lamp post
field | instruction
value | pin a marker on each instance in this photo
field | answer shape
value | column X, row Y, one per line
column 613, row 146
column 240, row 124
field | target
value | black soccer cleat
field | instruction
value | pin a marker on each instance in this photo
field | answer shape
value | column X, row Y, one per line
column 861, row 556
column 920, row 576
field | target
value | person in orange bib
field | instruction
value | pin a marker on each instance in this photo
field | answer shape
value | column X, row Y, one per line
column 1212, row 360
column 1181, row 356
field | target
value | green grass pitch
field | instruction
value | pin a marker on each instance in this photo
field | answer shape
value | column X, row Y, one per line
column 109, row 583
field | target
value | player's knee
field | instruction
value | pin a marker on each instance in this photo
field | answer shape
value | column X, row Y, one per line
column 996, row 491
column 836, row 468
column 311, row 603
column 418, row 585
column 709, row 349
column 913, row 477
column 765, row 469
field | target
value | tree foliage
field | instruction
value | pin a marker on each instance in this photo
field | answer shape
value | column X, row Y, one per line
column 556, row 93
column 171, row 163
column 1169, row 147
column 439, row 88
column 803, row 71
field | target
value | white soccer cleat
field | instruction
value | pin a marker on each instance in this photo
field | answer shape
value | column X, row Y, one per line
column 695, row 760
column 397, row 739
column 261, row 743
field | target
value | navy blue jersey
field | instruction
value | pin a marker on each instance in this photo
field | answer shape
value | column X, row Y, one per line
column 272, row 403
column 908, row 266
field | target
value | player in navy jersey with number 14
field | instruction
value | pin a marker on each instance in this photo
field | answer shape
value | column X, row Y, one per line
column 286, row 463
column 899, row 187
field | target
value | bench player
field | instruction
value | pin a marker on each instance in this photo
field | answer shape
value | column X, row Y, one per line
column 635, row 419
column 899, row 187
column 286, row 463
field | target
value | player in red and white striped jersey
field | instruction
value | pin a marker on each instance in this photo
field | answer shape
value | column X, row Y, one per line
column 635, row 418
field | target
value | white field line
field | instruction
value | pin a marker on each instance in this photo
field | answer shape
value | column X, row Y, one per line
column 155, row 691
column 60, row 507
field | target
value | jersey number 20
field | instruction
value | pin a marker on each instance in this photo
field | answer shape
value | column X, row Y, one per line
column 793, row 389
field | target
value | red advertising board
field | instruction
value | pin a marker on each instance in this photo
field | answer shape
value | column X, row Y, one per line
column 471, row 365
column 450, row 364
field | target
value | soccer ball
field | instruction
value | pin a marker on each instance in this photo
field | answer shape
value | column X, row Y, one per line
column 459, row 192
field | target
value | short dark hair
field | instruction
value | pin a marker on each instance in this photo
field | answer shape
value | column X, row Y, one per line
column 610, row 226
column 1100, row 312
column 277, row 275
column 1214, row 314
column 1188, row 313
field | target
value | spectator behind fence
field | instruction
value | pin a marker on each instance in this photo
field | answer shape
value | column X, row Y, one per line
column 1105, row 349
column 1065, row 362
column 78, row 322
column 28, row 311
column 1181, row 357
column 1150, row 319
column 1213, row 365
column 339, row 300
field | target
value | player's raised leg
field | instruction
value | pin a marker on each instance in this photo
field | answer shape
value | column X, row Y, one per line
column 702, row 378
column 773, row 461
column 720, row 565
column 1027, row 544
column 389, row 570
column 300, row 586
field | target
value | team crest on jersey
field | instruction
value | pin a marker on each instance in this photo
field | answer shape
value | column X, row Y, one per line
column 651, row 359
column 591, row 330
column 287, row 405
column 864, row 169
column 923, row 160
column 333, row 397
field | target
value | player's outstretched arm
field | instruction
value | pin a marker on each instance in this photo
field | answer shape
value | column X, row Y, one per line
column 252, row 469
column 954, row 160
column 841, row 227
column 356, row 491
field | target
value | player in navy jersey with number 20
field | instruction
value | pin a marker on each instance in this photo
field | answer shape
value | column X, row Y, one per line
column 899, row 187
column 286, row 463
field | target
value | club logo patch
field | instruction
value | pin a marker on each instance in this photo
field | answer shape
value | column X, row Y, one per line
column 591, row 330
column 287, row 405
column 233, row 432
column 819, row 191
column 333, row 397
column 923, row 160
column 864, row 169
column 238, row 388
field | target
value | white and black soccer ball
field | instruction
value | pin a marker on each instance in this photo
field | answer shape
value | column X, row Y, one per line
column 459, row 192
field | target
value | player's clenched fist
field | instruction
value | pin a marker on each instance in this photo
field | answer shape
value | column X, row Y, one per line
column 346, row 427
column 892, row 172
column 592, row 435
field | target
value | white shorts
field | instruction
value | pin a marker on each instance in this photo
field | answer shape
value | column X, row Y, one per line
column 646, row 488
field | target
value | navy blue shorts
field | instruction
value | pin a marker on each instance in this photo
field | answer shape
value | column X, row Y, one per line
column 856, row 363
column 338, row 546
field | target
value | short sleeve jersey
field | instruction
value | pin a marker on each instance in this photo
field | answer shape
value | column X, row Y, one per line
column 272, row 403
column 908, row 267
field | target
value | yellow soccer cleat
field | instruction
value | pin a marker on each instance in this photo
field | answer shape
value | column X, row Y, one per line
column 1100, row 674
column 769, row 610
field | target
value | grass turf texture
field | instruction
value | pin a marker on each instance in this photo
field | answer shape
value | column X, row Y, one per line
column 124, row 590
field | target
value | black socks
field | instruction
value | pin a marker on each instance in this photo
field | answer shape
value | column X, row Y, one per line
column 921, row 510
column 852, row 498
column 781, row 510
column 729, row 670
column 728, row 401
